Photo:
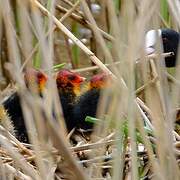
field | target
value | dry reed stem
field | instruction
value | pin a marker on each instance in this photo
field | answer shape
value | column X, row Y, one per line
column 177, row 136
column 74, row 39
column 13, row 50
column 148, row 57
column 97, row 34
column 61, row 145
column 70, row 11
column 143, row 87
column 145, row 118
column 80, row 20
column 152, row 159
column 174, row 7
column 16, row 174
column 172, row 79
column 93, row 145
column 71, row 5
column 143, row 106
column 63, row 18
column 18, row 158
column 164, row 135
column 15, row 141
column 157, row 168
column 25, row 30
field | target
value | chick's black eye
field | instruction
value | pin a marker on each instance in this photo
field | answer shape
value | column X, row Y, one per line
column 71, row 77
column 39, row 75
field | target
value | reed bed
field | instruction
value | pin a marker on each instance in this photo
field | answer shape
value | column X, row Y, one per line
column 136, row 134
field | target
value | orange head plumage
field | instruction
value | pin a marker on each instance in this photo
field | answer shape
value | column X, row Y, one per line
column 35, row 77
column 69, row 81
column 99, row 81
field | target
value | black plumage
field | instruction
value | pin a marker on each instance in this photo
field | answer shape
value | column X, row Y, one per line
column 67, row 101
column 88, row 102
column 86, row 106
column 68, row 84
column 170, row 42
column 170, row 39
column 12, row 104
column 13, row 107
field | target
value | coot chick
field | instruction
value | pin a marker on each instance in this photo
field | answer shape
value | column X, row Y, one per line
column 68, row 85
column 12, row 104
column 87, row 103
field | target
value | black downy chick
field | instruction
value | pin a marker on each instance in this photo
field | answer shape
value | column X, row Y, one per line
column 87, row 103
column 12, row 104
column 68, row 85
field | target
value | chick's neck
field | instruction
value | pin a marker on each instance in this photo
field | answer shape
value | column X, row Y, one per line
column 69, row 90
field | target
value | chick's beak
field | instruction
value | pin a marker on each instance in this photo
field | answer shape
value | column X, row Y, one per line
column 77, row 84
column 82, row 79
column 79, row 79
column 42, row 84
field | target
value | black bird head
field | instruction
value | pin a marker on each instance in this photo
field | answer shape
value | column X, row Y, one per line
column 170, row 41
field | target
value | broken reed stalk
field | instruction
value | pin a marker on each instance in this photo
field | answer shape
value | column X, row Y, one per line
column 148, row 57
column 93, row 145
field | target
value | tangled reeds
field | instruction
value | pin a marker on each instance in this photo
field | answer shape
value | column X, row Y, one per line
column 137, row 131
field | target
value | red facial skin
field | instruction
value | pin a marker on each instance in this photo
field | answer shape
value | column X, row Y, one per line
column 32, row 76
column 68, row 85
column 67, row 78
column 99, row 81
